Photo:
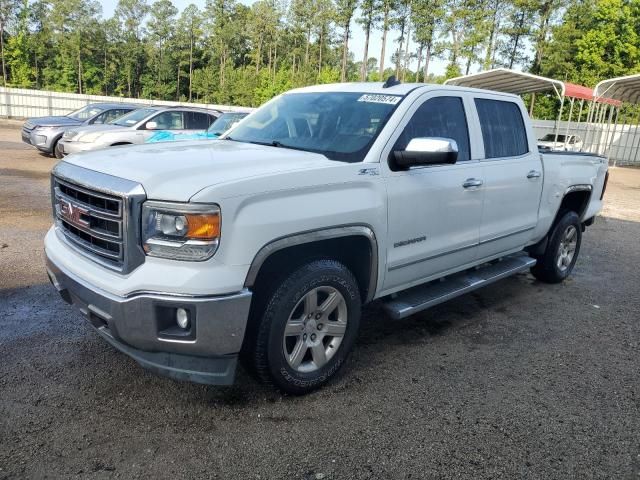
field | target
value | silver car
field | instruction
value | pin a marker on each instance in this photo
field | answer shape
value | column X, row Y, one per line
column 136, row 127
column 44, row 133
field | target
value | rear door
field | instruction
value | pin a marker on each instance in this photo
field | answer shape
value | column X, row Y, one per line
column 433, row 211
column 512, row 172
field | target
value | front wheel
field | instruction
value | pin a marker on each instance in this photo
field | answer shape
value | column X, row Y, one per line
column 308, row 327
column 57, row 152
column 559, row 258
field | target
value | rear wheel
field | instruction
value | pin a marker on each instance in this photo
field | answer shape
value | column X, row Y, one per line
column 559, row 258
column 307, row 328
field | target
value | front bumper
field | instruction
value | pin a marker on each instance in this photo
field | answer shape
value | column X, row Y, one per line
column 68, row 147
column 142, row 326
column 43, row 140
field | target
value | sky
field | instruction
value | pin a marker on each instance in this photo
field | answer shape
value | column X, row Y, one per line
column 356, row 43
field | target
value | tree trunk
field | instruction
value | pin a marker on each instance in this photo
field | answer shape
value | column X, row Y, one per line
column 385, row 30
column 399, row 51
column 427, row 59
column 419, row 63
column 190, row 67
column 320, row 53
column 79, row 72
column 514, row 52
column 469, row 61
column 106, row 79
column 306, row 53
column 4, row 68
column 545, row 17
column 406, row 52
column 365, row 59
column 258, row 55
column 345, row 49
column 275, row 58
column 488, row 58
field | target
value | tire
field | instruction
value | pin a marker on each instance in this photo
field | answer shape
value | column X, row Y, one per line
column 293, row 363
column 559, row 258
column 56, row 150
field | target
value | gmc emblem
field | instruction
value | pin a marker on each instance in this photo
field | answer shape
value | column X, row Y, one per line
column 73, row 213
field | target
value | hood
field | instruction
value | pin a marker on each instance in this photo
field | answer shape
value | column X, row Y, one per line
column 177, row 171
column 51, row 122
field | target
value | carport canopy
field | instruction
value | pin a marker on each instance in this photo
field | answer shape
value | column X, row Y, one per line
column 623, row 89
column 511, row 81
column 519, row 83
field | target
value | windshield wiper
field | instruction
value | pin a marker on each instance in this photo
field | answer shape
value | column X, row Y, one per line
column 279, row 144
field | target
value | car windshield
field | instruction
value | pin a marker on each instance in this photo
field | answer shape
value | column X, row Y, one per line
column 85, row 113
column 225, row 122
column 134, row 117
column 340, row 125
column 550, row 137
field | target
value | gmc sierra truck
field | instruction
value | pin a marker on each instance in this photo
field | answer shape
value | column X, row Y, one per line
column 264, row 245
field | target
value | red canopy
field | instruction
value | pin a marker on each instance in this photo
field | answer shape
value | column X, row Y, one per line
column 586, row 93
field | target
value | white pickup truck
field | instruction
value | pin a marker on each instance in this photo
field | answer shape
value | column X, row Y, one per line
column 264, row 245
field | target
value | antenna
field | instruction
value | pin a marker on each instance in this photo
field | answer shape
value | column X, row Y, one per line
column 391, row 82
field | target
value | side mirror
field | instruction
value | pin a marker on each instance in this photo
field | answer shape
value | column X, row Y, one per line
column 151, row 125
column 427, row 151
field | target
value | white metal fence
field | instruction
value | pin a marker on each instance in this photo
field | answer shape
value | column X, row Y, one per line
column 24, row 103
column 620, row 144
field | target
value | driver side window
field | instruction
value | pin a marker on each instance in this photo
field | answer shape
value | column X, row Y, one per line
column 438, row 117
column 171, row 120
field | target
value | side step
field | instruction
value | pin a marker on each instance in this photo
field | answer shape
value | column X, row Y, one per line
column 421, row 297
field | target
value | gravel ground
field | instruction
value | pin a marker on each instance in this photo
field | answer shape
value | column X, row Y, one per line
column 519, row 380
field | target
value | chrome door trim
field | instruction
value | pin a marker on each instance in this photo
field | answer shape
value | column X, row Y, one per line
column 505, row 235
column 456, row 250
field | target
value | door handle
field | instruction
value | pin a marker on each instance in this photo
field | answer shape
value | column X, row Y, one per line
column 472, row 183
column 533, row 174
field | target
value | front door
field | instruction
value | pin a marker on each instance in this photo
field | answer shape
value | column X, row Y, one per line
column 433, row 211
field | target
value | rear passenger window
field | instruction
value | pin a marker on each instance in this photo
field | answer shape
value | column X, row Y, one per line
column 438, row 117
column 197, row 120
column 503, row 130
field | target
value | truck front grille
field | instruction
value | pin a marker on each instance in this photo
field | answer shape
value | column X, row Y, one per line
column 90, row 220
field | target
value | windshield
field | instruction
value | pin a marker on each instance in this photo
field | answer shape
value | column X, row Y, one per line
column 340, row 125
column 550, row 137
column 85, row 113
column 134, row 117
column 225, row 122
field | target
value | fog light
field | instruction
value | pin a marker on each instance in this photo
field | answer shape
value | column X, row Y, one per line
column 182, row 318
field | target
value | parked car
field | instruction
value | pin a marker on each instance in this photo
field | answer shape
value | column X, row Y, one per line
column 268, row 241
column 44, row 133
column 136, row 127
column 221, row 125
column 568, row 143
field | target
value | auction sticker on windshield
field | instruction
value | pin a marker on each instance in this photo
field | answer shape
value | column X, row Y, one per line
column 374, row 98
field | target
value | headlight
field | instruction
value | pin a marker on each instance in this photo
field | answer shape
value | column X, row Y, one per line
column 70, row 134
column 89, row 137
column 180, row 231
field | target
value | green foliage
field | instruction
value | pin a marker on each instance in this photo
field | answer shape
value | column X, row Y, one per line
column 233, row 53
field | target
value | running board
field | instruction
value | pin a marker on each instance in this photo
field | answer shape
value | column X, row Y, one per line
column 420, row 298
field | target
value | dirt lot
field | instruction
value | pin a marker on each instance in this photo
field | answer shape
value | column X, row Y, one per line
column 519, row 380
